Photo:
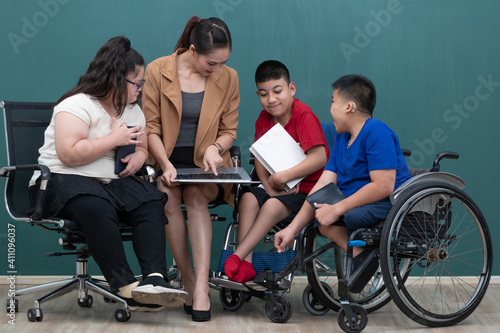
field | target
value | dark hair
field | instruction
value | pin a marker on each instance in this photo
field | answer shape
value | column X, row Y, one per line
column 359, row 89
column 271, row 70
column 205, row 34
column 107, row 73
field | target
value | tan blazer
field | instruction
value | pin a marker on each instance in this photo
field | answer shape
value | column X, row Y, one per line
column 162, row 107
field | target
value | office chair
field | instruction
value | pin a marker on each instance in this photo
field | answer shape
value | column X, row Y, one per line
column 25, row 124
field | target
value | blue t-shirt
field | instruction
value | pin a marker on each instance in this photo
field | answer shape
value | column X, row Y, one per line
column 375, row 148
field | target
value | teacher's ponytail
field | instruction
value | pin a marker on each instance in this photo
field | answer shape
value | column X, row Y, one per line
column 205, row 35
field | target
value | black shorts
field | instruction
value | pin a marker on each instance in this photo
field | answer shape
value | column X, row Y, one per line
column 292, row 201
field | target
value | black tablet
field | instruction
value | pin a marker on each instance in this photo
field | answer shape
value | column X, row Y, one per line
column 122, row 152
column 329, row 194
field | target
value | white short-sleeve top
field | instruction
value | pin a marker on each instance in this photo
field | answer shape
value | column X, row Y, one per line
column 88, row 109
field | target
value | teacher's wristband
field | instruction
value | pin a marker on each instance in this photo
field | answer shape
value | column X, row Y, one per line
column 219, row 147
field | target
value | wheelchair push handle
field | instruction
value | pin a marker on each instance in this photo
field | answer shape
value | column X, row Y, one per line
column 406, row 152
column 435, row 165
column 444, row 154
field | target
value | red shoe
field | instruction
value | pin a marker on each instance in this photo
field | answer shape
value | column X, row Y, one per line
column 232, row 265
column 245, row 274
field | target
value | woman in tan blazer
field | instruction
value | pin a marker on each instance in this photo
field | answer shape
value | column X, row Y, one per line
column 190, row 100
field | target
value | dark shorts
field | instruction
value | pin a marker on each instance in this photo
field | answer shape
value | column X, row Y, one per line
column 365, row 216
column 292, row 201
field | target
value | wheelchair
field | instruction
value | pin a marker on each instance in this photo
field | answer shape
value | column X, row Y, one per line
column 435, row 255
column 267, row 285
column 434, row 250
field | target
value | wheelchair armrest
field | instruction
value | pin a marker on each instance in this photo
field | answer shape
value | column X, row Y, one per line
column 235, row 153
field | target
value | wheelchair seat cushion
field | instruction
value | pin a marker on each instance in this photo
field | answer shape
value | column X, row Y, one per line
column 262, row 260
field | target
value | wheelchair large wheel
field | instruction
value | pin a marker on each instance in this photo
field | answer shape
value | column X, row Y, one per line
column 444, row 234
column 324, row 272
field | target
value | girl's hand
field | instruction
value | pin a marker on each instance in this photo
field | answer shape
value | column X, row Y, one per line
column 134, row 162
column 123, row 135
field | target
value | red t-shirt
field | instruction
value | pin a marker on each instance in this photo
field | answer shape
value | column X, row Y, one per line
column 305, row 128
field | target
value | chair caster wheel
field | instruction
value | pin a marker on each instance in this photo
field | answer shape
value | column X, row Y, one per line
column 86, row 302
column 231, row 300
column 122, row 315
column 108, row 300
column 35, row 315
column 360, row 319
column 12, row 304
column 281, row 311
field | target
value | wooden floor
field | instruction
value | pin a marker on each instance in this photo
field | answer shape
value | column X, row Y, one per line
column 64, row 315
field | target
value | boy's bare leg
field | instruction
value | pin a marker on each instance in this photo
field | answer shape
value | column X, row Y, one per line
column 271, row 213
column 338, row 234
column 248, row 211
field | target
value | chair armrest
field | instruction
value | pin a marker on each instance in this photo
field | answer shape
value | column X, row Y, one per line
column 148, row 173
column 45, row 171
column 45, row 174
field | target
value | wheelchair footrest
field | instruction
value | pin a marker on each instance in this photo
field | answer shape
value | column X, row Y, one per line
column 262, row 260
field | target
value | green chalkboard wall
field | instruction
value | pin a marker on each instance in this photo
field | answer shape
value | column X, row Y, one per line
column 435, row 64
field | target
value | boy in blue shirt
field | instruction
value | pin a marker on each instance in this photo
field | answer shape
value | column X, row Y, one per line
column 367, row 165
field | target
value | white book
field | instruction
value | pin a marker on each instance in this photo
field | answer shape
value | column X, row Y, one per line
column 278, row 151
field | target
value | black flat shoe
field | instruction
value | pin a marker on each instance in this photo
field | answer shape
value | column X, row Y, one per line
column 199, row 315
column 188, row 309
column 139, row 307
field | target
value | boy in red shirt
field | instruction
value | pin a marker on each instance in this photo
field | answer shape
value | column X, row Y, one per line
column 261, row 207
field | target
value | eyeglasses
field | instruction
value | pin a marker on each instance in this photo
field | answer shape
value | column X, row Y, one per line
column 138, row 85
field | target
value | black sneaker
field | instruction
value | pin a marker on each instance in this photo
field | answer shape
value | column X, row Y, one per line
column 366, row 274
column 139, row 307
column 155, row 290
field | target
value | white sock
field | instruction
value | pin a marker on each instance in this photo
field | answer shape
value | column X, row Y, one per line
column 155, row 274
column 126, row 291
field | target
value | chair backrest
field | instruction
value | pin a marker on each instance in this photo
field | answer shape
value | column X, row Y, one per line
column 25, row 124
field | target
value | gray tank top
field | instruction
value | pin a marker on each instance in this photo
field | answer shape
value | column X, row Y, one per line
column 191, row 108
